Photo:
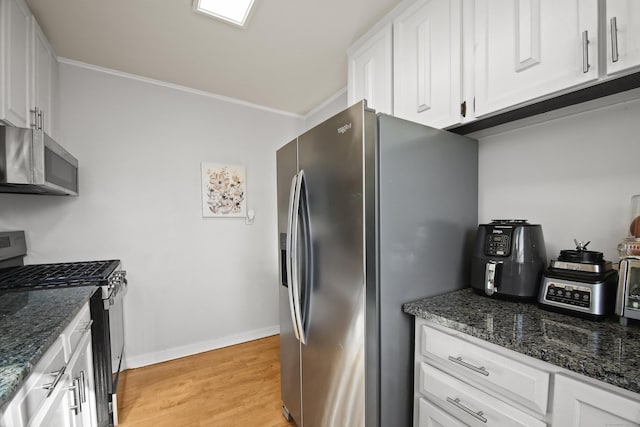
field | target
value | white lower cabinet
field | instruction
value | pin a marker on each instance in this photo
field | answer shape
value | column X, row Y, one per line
column 429, row 415
column 471, row 405
column 460, row 380
column 60, row 390
column 578, row 404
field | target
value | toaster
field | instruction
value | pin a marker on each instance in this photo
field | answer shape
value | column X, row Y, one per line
column 628, row 298
column 508, row 259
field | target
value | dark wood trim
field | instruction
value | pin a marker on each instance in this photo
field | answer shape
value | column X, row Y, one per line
column 609, row 87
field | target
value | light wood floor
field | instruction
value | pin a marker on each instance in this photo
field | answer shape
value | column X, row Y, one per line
column 232, row 386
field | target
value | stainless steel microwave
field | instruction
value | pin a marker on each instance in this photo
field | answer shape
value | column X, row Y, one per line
column 31, row 162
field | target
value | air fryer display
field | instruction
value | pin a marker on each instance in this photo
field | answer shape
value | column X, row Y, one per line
column 498, row 244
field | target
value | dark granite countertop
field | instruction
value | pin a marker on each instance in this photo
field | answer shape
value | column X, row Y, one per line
column 30, row 321
column 605, row 351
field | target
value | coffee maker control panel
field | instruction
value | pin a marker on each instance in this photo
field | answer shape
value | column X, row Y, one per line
column 498, row 242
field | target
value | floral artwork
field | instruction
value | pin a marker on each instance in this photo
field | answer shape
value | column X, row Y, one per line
column 223, row 190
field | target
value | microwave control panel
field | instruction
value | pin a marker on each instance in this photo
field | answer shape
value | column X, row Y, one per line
column 498, row 242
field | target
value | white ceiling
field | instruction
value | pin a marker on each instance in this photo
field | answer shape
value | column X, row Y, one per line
column 291, row 57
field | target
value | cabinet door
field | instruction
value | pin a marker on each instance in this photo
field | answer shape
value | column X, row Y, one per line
column 56, row 411
column 429, row 415
column 14, row 63
column 527, row 49
column 577, row 404
column 44, row 78
column 80, row 370
column 370, row 72
column 427, row 65
column 623, row 35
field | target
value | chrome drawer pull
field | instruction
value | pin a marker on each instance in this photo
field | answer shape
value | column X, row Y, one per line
column 52, row 385
column 481, row 370
column 477, row 415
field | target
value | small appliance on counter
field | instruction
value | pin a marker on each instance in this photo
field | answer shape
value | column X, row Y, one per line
column 508, row 259
column 630, row 246
column 579, row 283
column 628, row 299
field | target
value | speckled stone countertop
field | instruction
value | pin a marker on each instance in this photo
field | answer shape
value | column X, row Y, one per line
column 605, row 351
column 30, row 321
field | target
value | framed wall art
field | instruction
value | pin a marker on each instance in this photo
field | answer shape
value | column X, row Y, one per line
column 224, row 190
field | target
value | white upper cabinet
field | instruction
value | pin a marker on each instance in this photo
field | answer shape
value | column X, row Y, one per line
column 370, row 68
column 14, row 63
column 527, row 49
column 623, row 35
column 427, row 63
column 28, row 70
column 45, row 78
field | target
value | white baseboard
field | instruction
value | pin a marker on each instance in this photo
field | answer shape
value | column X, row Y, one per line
column 200, row 347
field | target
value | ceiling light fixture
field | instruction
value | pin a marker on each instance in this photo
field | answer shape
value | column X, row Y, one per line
column 235, row 12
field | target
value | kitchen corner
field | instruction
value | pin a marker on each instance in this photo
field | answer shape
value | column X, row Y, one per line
column 484, row 336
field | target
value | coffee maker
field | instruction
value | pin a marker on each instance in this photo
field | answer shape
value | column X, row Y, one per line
column 508, row 259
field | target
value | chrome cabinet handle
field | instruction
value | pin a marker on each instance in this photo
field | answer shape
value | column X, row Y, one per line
column 477, row 415
column 614, row 39
column 585, row 51
column 77, row 406
column 481, row 370
column 36, row 114
column 83, row 388
column 52, row 385
column 41, row 119
column 84, row 326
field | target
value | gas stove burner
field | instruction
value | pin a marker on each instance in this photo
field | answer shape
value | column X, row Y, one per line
column 55, row 275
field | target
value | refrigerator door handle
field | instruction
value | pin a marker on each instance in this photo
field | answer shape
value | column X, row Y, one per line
column 294, row 258
column 289, row 254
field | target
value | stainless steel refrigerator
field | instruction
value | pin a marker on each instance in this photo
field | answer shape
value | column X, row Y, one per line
column 373, row 212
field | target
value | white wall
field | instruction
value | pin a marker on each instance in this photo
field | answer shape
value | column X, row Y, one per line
column 573, row 175
column 195, row 283
column 333, row 105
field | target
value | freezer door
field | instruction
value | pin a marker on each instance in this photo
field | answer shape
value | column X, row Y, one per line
column 331, row 158
column 287, row 167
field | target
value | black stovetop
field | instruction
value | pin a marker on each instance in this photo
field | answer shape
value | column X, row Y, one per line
column 94, row 273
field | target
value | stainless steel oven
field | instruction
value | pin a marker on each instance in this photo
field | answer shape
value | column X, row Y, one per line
column 106, row 309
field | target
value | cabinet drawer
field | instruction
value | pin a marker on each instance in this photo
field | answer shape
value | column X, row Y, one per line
column 474, row 407
column 429, row 415
column 33, row 394
column 74, row 331
column 513, row 379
